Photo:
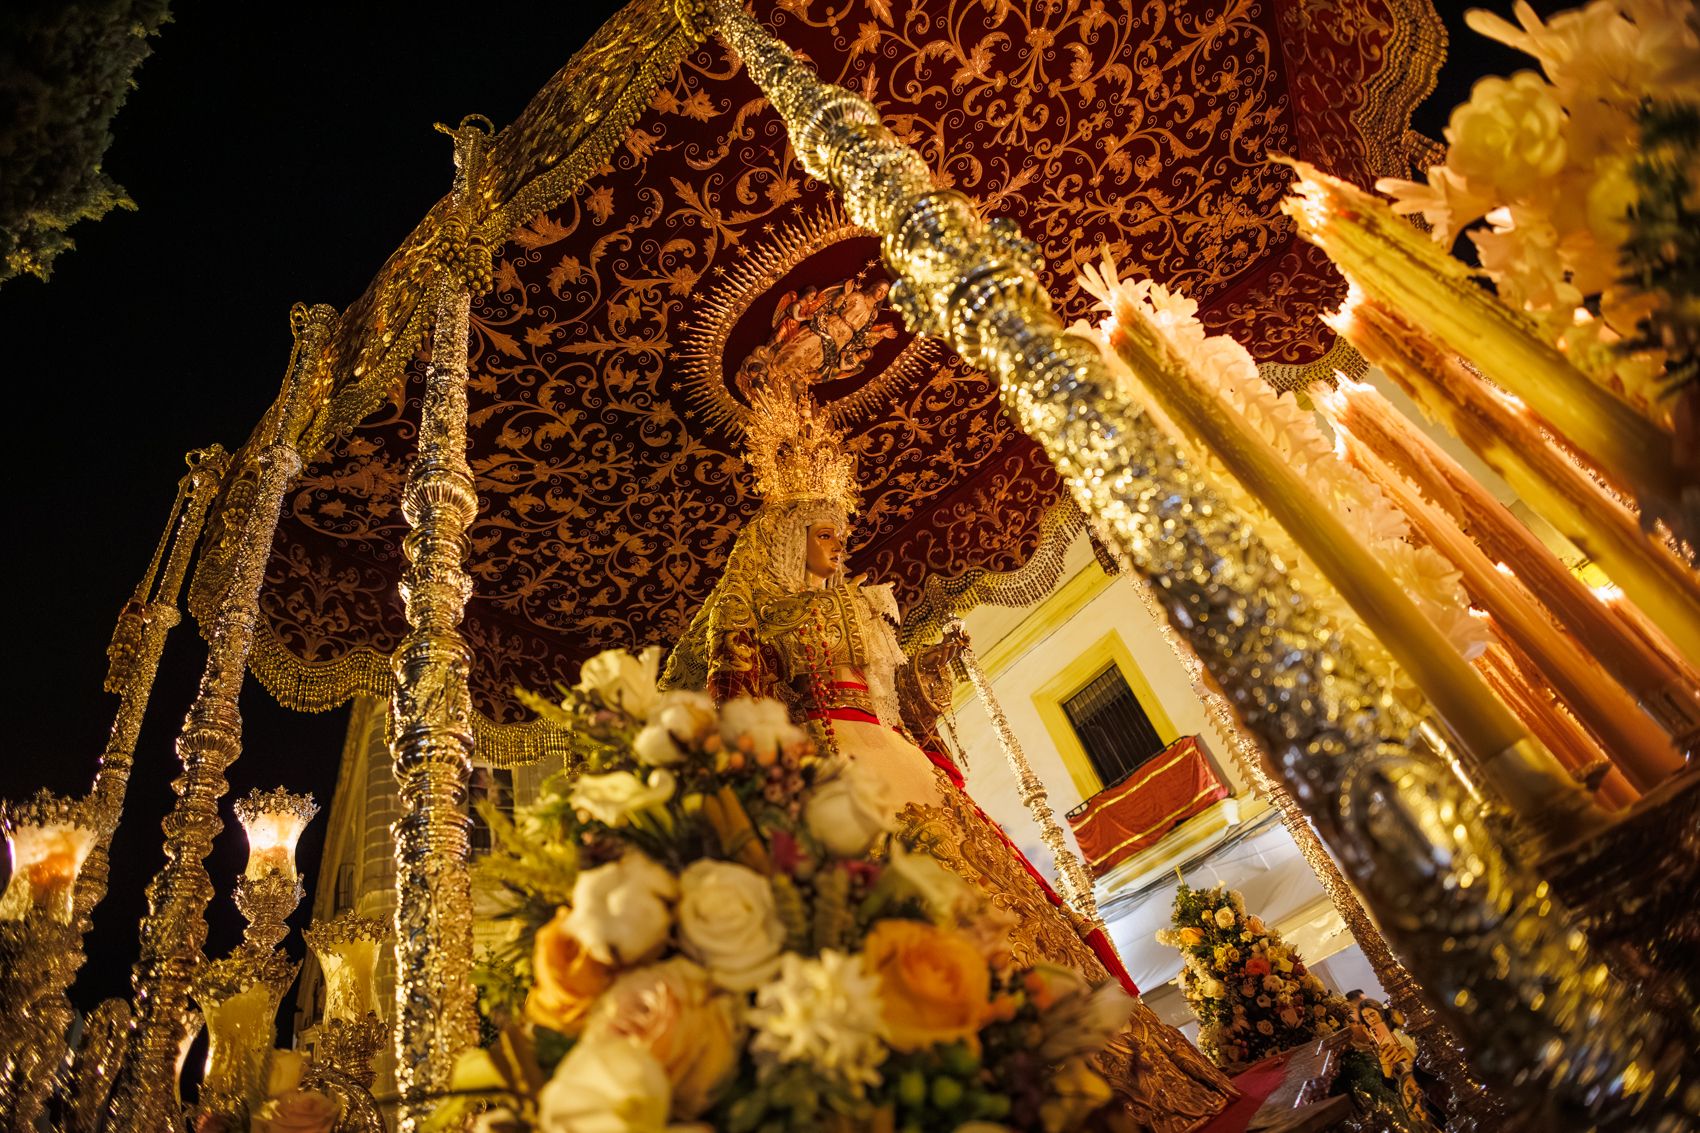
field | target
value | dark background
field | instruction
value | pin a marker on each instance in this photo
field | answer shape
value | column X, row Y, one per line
column 277, row 155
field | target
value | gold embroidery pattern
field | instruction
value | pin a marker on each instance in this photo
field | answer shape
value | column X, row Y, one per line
column 970, row 847
column 608, row 502
column 1163, row 1081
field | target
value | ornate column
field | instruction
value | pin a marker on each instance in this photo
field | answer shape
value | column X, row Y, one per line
column 138, row 642
column 431, row 712
column 1544, row 1017
column 1437, row 1048
column 1073, row 878
column 175, row 929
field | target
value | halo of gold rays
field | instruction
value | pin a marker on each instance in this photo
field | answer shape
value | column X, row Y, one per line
column 702, row 346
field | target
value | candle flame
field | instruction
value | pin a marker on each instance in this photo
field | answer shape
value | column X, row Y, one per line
column 1307, row 201
column 1608, row 593
column 1342, row 319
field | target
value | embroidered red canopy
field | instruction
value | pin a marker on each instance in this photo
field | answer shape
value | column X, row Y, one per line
column 651, row 222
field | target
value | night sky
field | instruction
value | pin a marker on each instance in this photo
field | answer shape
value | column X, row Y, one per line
column 274, row 160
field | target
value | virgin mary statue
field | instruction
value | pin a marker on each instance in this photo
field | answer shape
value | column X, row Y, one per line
column 785, row 622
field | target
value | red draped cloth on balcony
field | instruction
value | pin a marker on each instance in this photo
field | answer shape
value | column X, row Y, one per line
column 1153, row 799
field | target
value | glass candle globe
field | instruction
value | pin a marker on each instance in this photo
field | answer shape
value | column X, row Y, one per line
column 347, row 950
column 50, row 839
column 273, row 821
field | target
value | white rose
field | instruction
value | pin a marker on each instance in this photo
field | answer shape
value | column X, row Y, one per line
column 728, row 923
column 298, row 1111
column 758, row 727
column 846, row 812
column 283, row 1072
column 1510, row 134
column 613, row 798
column 622, row 911
column 1214, row 989
column 939, row 890
column 1224, row 917
column 623, row 681
column 614, row 1086
column 689, row 715
column 1610, row 198
column 654, row 745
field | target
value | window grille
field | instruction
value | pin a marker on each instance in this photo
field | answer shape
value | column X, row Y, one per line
column 344, row 886
column 1113, row 729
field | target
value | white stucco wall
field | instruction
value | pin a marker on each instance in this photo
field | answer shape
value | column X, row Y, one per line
column 1256, row 857
column 990, row 779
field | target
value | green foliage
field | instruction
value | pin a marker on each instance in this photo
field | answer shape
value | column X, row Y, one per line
column 942, row 1087
column 533, row 868
column 65, row 69
column 501, row 992
column 1662, row 252
column 1249, row 989
column 785, row 1098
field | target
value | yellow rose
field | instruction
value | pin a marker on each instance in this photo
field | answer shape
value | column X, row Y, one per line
column 934, row 984
column 566, row 978
column 1191, row 937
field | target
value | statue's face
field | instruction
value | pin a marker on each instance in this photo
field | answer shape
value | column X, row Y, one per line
column 825, row 549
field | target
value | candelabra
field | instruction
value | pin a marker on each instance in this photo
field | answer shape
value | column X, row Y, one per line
column 347, row 950
column 240, row 994
column 40, row 948
column 270, row 888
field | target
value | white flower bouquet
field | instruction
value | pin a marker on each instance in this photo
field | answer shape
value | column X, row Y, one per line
column 717, row 930
column 1580, row 187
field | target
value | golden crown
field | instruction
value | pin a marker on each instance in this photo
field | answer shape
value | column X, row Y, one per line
column 795, row 450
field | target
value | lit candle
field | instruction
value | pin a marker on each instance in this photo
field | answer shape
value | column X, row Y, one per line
column 1398, row 266
column 49, row 838
column 1512, row 445
column 1630, row 739
column 1646, row 672
column 273, row 821
column 1525, row 774
column 1644, row 631
column 268, row 859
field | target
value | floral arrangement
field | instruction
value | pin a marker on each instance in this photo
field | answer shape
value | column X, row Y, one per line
column 1249, row 989
column 1426, row 576
column 715, row 929
column 1587, row 176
